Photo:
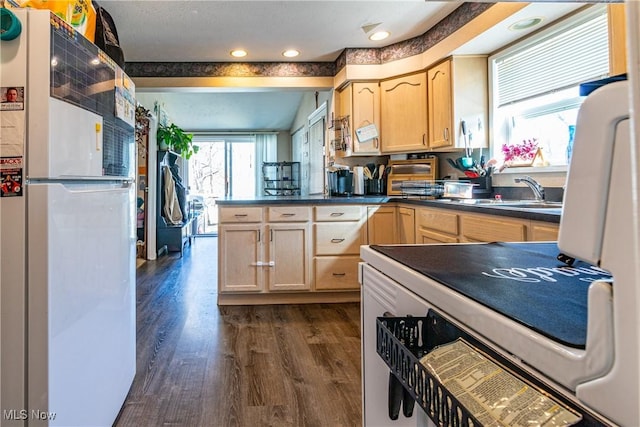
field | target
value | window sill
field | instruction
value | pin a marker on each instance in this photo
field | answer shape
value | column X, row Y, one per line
column 534, row 170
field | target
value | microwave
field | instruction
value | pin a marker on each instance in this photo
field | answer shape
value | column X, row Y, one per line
column 410, row 170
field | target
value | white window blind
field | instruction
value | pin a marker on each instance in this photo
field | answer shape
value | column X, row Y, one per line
column 567, row 56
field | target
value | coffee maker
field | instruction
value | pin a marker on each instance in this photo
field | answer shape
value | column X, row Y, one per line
column 340, row 183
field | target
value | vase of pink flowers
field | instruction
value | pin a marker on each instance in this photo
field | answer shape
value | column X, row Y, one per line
column 522, row 154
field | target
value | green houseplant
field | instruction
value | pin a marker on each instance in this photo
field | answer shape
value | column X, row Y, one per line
column 177, row 140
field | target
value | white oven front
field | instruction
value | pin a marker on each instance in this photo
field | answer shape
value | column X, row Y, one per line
column 381, row 297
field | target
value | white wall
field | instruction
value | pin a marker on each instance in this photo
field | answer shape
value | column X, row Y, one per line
column 284, row 146
column 308, row 105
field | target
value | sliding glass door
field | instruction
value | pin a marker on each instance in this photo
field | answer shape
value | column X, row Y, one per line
column 240, row 169
column 223, row 167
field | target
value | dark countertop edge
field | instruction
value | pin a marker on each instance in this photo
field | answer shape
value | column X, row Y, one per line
column 530, row 214
column 299, row 200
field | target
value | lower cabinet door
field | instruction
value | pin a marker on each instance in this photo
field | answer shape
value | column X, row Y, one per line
column 336, row 272
column 428, row 236
column 240, row 252
column 381, row 225
column 289, row 257
column 406, row 225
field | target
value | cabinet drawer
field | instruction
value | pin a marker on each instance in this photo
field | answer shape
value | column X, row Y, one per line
column 334, row 273
column 483, row 229
column 288, row 214
column 541, row 231
column 240, row 215
column 428, row 236
column 338, row 213
column 446, row 222
column 337, row 239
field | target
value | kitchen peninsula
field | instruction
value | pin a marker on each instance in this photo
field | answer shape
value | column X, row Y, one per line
column 297, row 249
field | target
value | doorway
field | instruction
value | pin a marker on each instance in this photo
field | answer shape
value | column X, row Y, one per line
column 222, row 167
column 317, row 125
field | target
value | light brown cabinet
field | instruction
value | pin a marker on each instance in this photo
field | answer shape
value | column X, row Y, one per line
column 430, row 236
column 305, row 253
column 406, row 225
column 336, row 272
column 338, row 213
column 439, row 104
column 360, row 101
column 381, row 225
column 337, row 239
column 339, row 231
column 258, row 257
column 436, row 225
column 457, row 91
column 240, row 253
column 403, row 103
column 476, row 228
column 617, row 38
column 289, row 257
column 543, row 231
column 289, row 247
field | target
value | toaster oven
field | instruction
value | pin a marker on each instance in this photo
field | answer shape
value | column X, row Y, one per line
column 410, row 170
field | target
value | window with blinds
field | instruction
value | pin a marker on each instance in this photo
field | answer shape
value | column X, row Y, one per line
column 535, row 82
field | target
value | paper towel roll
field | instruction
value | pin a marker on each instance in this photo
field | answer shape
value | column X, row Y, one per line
column 358, row 180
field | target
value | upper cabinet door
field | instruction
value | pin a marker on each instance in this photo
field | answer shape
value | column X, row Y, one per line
column 366, row 111
column 440, row 105
column 404, row 113
column 458, row 91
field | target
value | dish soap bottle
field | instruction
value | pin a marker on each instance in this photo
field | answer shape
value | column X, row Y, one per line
column 572, row 131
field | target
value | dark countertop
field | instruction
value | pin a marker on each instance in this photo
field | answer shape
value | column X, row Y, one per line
column 293, row 200
column 543, row 214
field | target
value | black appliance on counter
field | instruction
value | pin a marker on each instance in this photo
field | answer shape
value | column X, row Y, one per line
column 340, row 183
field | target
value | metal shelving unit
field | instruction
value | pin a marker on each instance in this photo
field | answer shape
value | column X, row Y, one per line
column 281, row 178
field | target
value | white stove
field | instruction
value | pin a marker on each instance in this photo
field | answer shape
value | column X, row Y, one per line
column 600, row 226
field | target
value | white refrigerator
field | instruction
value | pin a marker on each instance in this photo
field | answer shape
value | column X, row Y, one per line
column 67, row 229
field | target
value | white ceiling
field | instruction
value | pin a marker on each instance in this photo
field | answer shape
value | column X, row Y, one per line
column 206, row 31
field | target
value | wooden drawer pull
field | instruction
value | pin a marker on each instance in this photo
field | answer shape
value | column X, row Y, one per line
column 288, row 214
column 337, row 240
column 339, row 274
column 240, row 215
column 337, row 213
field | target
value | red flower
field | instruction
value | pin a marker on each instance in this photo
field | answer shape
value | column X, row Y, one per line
column 524, row 151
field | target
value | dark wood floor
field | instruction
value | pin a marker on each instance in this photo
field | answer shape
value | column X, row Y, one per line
column 203, row 365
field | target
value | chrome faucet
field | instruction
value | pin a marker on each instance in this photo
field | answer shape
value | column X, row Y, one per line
column 538, row 190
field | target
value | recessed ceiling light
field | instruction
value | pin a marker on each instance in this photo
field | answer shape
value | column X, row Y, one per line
column 290, row 53
column 523, row 24
column 379, row 35
column 238, row 53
